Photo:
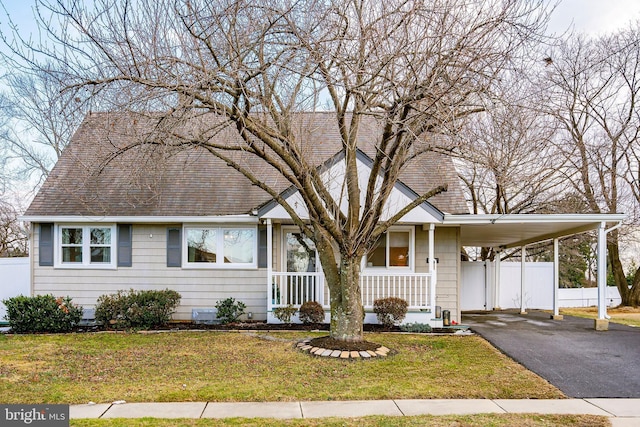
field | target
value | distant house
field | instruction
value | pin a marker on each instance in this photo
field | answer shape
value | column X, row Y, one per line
column 112, row 217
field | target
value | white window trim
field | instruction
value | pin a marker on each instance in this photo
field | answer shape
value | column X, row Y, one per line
column 86, row 244
column 412, row 253
column 219, row 264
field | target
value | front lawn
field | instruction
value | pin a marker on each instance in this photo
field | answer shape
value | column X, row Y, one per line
column 220, row 366
column 625, row 315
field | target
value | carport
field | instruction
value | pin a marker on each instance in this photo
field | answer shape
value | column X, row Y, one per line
column 504, row 231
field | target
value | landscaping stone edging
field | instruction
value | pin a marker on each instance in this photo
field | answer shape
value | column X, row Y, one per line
column 305, row 347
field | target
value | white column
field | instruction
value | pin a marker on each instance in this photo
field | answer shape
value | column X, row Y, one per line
column 269, row 265
column 556, row 276
column 523, row 255
column 488, row 285
column 432, row 267
column 496, row 304
column 602, row 271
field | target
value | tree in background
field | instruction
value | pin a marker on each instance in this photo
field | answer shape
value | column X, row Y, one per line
column 593, row 88
column 38, row 119
column 14, row 235
column 506, row 156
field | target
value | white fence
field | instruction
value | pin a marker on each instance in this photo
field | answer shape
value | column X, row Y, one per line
column 14, row 280
column 477, row 291
column 587, row 297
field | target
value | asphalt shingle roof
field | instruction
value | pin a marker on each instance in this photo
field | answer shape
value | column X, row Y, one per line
column 89, row 179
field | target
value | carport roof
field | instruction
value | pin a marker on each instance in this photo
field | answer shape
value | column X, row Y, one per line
column 514, row 230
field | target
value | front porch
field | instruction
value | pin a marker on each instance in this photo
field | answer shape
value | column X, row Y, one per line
column 418, row 289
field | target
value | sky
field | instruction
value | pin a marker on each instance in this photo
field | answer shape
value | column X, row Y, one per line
column 594, row 17
column 590, row 16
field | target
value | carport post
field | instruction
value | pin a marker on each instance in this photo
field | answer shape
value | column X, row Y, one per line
column 523, row 256
column 602, row 323
column 496, row 281
column 556, row 280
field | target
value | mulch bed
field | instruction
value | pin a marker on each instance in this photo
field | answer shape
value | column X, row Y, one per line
column 262, row 326
column 333, row 344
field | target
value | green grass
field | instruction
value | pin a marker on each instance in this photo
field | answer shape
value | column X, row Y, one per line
column 624, row 315
column 218, row 366
column 483, row 420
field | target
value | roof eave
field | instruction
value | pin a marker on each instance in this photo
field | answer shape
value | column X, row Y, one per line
column 478, row 219
column 237, row 219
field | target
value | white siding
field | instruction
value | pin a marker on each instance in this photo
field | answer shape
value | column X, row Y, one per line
column 200, row 288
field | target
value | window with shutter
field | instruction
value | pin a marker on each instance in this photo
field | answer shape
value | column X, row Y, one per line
column 174, row 252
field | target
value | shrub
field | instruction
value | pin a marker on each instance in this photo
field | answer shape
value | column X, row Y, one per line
column 136, row 309
column 416, row 327
column 390, row 311
column 311, row 312
column 284, row 314
column 42, row 313
column 229, row 310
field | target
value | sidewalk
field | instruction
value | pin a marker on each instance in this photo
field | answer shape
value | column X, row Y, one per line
column 622, row 412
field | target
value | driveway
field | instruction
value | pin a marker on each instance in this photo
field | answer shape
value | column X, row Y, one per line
column 569, row 353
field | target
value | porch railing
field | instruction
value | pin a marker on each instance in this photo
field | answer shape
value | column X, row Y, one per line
column 418, row 289
column 415, row 288
column 296, row 288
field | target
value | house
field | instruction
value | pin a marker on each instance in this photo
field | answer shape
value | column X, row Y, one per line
column 115, row 215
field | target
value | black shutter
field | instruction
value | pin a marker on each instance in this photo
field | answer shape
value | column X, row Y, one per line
column 262, row 246
column 174, row 247
column 46, row 244
column 124, row 245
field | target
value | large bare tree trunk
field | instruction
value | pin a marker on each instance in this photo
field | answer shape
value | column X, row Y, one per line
column 629, row 296
column 346, row 302
column 635, row 290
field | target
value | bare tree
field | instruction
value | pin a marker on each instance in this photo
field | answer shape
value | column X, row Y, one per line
column 38, row 119
column 595, row 85
column 417, row 67
column 506, row 155
column 14, row 234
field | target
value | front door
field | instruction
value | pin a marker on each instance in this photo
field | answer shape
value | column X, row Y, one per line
column 301, row 253
column 302, row 262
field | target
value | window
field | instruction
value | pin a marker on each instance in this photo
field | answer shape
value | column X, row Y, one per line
column 86, row 245
column 393, row 249
column 221, row 246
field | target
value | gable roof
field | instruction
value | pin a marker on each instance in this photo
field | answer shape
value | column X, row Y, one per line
column 89, row 180
column 400, row 196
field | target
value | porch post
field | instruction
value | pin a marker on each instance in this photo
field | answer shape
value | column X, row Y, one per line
column 432, row 267
column 269, row 266
column 556, row 279
column 602, row 323
column 496, row 304
column 523, row 256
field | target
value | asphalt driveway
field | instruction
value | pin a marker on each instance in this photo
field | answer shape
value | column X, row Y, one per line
column 569, row 353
